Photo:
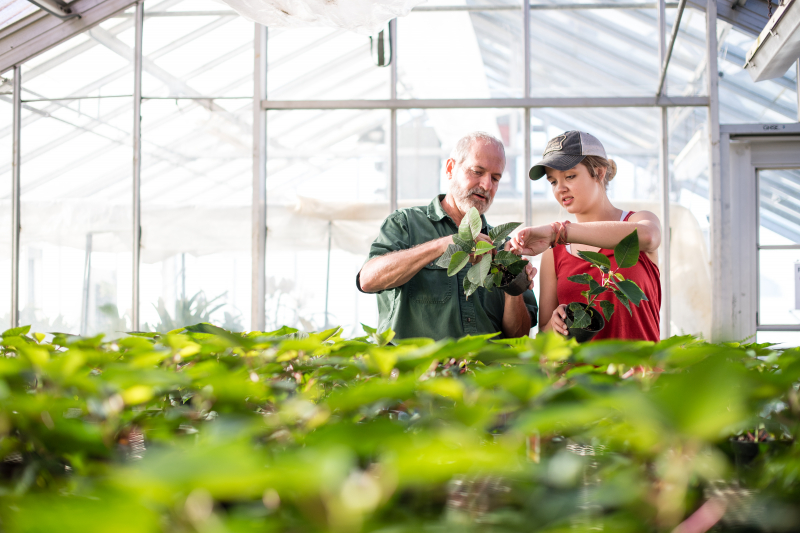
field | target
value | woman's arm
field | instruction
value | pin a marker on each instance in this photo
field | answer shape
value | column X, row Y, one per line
column 604, row 234
column 548, row 295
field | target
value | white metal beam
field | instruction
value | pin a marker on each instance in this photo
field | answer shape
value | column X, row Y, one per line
column 663, row 167
column 15, row 192
column 137, row 160
column 526, row 138
column 633, row 101
column 259, row 247
column 36, row 34
column 721, row 290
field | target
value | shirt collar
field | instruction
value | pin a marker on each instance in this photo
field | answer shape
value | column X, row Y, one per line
column 436, row 212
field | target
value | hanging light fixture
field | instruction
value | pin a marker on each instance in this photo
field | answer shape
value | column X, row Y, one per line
column 367, row 17
column 778, row 46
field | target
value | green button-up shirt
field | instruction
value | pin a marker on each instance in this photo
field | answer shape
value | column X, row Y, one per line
column 431, row 304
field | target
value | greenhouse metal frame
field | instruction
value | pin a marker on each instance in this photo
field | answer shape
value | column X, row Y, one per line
column 46, row 32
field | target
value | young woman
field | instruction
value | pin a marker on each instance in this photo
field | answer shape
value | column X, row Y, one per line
column 576, row 165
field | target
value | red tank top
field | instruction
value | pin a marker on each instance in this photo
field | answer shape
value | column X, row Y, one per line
column 644, row 323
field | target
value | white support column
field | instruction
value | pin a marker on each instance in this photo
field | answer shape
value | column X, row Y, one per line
column 663, row 170
column 526, row 35
column 393, row 186
column 137, row 158
column 720, row 304
column 15, row 194
column 666, row 237
column 797, row 87
column 259, row 243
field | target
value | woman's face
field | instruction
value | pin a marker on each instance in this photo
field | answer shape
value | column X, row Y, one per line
column 576, row 189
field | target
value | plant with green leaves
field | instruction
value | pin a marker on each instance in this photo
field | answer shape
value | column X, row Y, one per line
column 626, row 255
column 495, row 268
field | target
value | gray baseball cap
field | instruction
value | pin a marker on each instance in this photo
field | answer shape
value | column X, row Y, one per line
column 565, row 151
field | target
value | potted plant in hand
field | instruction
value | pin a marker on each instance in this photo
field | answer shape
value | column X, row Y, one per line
column 584, row 321
column 495, row 268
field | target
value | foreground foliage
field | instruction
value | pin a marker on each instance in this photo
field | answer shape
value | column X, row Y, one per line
column 205, row 430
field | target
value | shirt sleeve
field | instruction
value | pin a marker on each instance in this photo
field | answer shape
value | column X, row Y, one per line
column 393, row 236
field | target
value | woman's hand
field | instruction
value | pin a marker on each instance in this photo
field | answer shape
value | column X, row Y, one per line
column 532, row 240
column 557, row 320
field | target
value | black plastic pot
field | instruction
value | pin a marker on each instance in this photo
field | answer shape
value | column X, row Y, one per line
column 585, row 335
column 517, row 285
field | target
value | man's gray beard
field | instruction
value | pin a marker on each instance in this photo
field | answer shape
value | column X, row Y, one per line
column 464, row 199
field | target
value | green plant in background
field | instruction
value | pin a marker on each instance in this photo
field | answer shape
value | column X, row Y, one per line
column 496, row 266
column 189, row 311
column 626, row 254
column 205, row 430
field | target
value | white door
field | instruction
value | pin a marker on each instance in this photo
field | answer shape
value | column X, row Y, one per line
column 759, row 261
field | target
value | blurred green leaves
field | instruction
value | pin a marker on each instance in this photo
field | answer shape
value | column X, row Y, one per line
column 202, row 429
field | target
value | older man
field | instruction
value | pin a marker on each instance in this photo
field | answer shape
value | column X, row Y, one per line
column 416, row 298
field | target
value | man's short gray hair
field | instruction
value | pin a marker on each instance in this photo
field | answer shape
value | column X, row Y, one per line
column 463, row 146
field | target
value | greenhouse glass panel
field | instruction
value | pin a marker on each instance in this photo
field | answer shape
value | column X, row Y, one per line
column 426, row 138
column 196, row 54
column 461, row 54
column 6, row 118
column 93, row 64
column 778, row 287
column 196, row 213
column 76, row 204
column 594, row 52
column 690, row 210
column 322, row 64
column 779, row 207
column 741, row 100
column 327, row 194
column 686, row 75
column 629, row 136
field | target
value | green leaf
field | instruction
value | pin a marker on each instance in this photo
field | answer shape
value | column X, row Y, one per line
column 475, row 222
column 631, row 291
column 498, row 278
column 444, row 259
column 626, row 252
column 469, row 287
column 488, row 283
column 498, row 233
column 464, row 245
column 483, row 247
column 457, row 262
column 518, row 266
column 596, row 288
column 595, row 258
column 506, row 258
column 608, row 309
column 624, row 299
column 368, row 329
column 583, row 279
column 479, row 270
column 581, row 318
column 22, row 330
column 619, row 276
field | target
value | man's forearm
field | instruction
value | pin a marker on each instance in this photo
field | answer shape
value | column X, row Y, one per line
column 396, row 268
column 516, row 319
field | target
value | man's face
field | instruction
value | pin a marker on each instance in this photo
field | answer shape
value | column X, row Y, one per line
column 474, row 182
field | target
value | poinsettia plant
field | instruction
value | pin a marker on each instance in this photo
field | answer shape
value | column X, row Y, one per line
column 496, row 267
column 626, row 255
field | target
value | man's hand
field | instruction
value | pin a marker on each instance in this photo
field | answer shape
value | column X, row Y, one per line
column 532, row 240
column 531, row 271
